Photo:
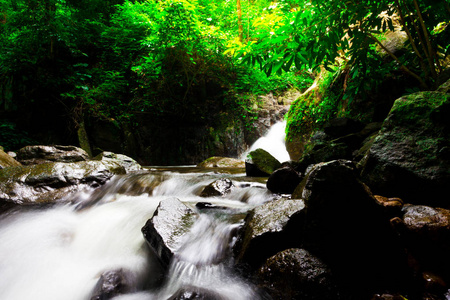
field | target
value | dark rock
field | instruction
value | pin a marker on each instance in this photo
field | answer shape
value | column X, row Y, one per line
column 410, row 157
column 165, row 230
column 207, row 205
column 392, row 206
column 284, row 180
column 219, row 187
column 260, row 163
column 50, row 182
column 31, row 155
column 196, row 293
column 347, row 228
column 425, row 232
column 128, row 163
column 222, row 162
column 324, row 152
column 297, row 274
column 7, row 161
column 265, row 231
column 113, row 283
column 342, row 126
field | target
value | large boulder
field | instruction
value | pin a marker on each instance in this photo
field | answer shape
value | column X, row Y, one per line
column 284, row 180
column 128, row 163
column 425, row 232
column 222, row 162
column 7, row 161
column 266, row 231
column 31, row 155
column 260, row 163
column 297, row 274
column 50, row 182
column 410, row 158
column 164, row 232
column 346, row 227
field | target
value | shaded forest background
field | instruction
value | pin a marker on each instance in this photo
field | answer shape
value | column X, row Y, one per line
column 141, row 71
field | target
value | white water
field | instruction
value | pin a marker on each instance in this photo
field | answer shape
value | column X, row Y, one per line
column 273, row 142
column 60, row 253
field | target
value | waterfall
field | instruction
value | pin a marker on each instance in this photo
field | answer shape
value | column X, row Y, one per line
column 273, row 142
column 60, row 252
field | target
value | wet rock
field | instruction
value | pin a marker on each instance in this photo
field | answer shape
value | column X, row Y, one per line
column 266, row 232
column 260, row 163
column 165, row 230
column 221, row 162
column 113, row 283
column 128, row 163
column 207, row 205
column 51, row 182
column 196, row 293
column 387, row 297
column 7, row 161
column 297, row 274
column 346, row 227
column 284, row 180
column 410, row 157
column 39, row 154
column 219, row 187
column 425, row 232
column 393, row 206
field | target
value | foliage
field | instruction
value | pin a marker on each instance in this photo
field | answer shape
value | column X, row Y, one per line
column 337, row 33
column 11, row 138
column 314, row 108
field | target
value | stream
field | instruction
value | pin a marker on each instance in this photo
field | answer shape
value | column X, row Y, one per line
column 61, row 251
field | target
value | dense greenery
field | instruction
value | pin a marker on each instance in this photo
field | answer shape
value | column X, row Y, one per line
column 183, row 59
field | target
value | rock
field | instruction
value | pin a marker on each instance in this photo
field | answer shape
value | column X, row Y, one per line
column 113, row 283
column 208, row 206
column 324, row 152
column 425, row 232
column 7, row 161
column 266, row 232
column 50, row 182
column 196, row 293
column 339, row 127
column 346, row 227
column 297, row 274
column 128, row 163
column 393, row 206
column 219, row 187
column 260, row 163
column 410, row 157
column 31, row 155
column 284, row 180
column 221, row 162
column 165, row 230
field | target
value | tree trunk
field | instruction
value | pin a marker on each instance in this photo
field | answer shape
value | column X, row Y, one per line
column 239, row 14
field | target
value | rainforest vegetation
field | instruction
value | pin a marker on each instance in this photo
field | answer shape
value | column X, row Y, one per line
column 67, row 62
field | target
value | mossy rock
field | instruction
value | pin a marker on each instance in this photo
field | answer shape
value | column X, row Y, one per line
column 260, row 163
column 410, row 158
column 221, row 162
column 6, row 160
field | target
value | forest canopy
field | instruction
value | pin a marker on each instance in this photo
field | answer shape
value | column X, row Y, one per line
column 182, row 58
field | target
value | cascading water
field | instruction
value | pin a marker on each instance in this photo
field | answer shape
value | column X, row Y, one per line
column 273, row 142
column 60, row 252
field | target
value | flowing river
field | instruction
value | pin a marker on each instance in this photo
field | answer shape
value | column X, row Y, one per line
column 60, row 252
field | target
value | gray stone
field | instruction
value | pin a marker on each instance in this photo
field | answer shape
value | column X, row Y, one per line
column 164, row 232
column 40, row 154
